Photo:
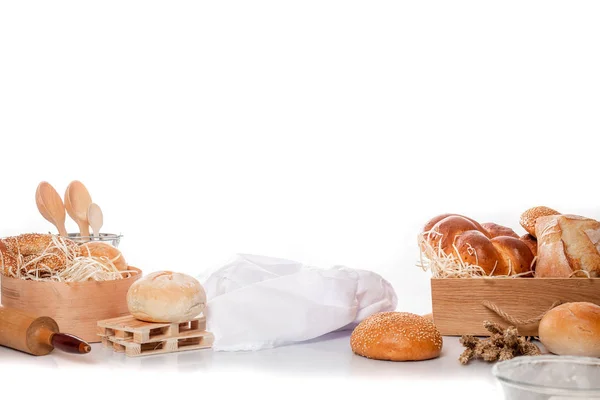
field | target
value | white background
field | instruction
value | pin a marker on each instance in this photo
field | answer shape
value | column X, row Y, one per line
column 326, row 132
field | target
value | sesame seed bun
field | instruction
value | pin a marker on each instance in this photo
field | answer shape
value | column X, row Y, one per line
column 529, row 216
column 396, row 336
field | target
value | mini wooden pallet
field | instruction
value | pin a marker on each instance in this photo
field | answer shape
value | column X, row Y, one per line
column 138, row 338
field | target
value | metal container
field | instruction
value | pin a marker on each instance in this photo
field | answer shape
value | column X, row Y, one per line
column 109, row 238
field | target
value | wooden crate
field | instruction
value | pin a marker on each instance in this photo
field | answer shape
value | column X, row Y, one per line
column 138, row 338
column 461, row 305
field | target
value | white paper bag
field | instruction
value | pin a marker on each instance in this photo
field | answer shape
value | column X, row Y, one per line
column 258, row 302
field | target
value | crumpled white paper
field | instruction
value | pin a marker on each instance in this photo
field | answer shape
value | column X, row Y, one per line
column 258, row 302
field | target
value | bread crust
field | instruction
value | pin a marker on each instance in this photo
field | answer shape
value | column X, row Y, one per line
column 33, row 251
column 106, row 251
column 568, row 244
column 572, row 329
column 431, row 223
column 531, row 242
column 496, row 230
column 396, row 336
column 460, row 237
column 167, row 297
column 515, row 254
column 474, row 248
column 529, row 217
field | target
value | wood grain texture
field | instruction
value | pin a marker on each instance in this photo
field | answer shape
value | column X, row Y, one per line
column 138, row 338
column 458, row 303
column 26, row 332
column 75, row 306
column 130, row 328
column 197, row 341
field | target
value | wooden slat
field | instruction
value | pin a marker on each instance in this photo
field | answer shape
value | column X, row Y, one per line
column 458, row 303
column 171, row 345
column 161, row 338
column 138, row 338
column 129, row 324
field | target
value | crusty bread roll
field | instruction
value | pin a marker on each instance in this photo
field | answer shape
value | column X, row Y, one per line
column 529, row 217
column 531, row 242
column 496, row 230
column 166, row 297
column 396, row 336
column 568, row 244
column 495, row 253
column 572, row 329
column 104, row 251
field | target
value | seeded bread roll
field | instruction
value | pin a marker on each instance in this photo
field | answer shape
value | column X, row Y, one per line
column 396, row 336
column 529, row 217
column 572, row 329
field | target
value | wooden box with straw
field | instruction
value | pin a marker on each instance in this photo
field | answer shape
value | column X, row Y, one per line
column 76, row 280
column 465, row 291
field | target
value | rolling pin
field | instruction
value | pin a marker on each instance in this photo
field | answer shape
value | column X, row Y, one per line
column 36, row 335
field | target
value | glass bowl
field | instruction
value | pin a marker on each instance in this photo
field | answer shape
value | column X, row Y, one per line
column 549, row 378
column 109, row 238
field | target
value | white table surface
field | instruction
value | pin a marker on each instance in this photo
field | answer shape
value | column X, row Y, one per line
column 329, row 357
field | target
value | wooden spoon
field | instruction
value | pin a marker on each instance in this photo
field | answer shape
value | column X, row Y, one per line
column 95, row 218
column 51, row 206
column 77, row 203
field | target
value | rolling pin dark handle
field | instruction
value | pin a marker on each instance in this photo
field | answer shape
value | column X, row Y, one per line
column 70, row 344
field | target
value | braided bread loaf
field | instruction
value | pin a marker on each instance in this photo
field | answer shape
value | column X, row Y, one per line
column 498, row 250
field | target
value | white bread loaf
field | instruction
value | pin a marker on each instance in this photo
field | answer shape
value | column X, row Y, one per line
column 166, row 297
column 572, row 329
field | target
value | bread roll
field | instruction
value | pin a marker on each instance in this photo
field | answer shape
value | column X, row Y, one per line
column 496, row 230
column 495, row 253
column 446, row 230
column 572, row 329
column 476, row 249
column 396, row 336
column 529, row 217
column 104, row 251
column 166, row 297
column 515, row 255
column 531, row 242
column 568, row 244
column 430, row 224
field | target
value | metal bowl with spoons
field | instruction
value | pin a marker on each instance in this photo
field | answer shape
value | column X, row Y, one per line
column 86, row 213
